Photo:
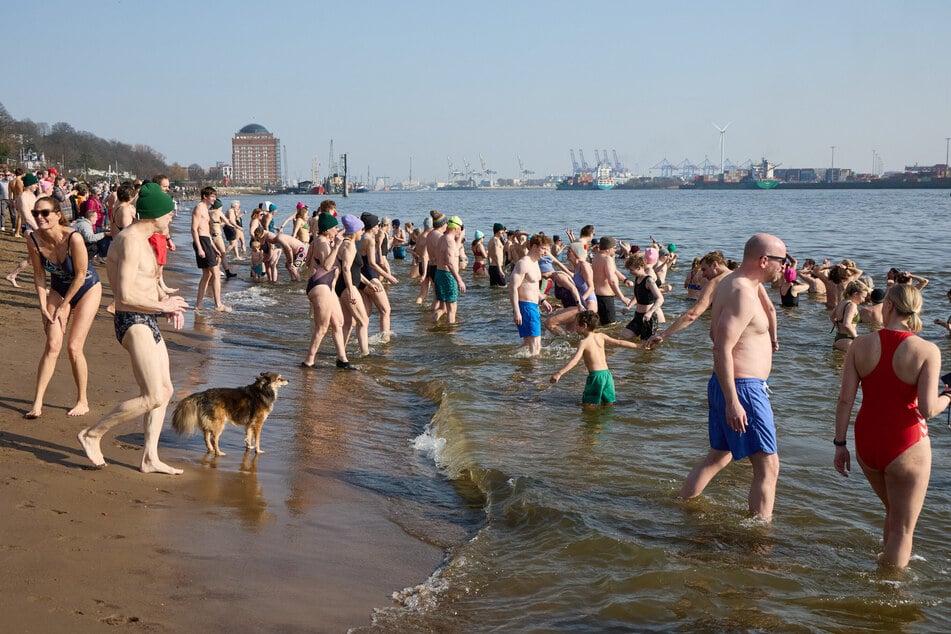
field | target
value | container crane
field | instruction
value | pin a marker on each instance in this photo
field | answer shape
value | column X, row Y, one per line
column 584, row 164
column 617, row 163
column 524, row 173
column 604, row 154
column 597, row 157
column 574, row 163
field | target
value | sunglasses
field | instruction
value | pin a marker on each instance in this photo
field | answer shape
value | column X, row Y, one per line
column 42, row 212
column 775, row 258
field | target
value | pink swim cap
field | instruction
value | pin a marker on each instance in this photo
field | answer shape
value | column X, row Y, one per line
column 650, row 255
column 789, row 275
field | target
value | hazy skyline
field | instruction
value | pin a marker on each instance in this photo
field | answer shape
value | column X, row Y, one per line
column 427, row 80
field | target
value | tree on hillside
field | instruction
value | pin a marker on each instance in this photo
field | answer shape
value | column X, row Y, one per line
column 74, row 151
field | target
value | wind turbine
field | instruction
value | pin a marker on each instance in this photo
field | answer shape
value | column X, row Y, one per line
column 722, row 134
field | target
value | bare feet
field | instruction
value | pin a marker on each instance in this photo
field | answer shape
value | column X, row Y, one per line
column 158, row 466
column 81, row 409
column 223, row 309
column 12, row 278
column 91, row 447
column 34, row 413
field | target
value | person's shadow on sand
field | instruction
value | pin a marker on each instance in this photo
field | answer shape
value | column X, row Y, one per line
column 54, row 453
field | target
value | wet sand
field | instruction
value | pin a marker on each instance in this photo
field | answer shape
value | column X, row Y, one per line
column 85, row 550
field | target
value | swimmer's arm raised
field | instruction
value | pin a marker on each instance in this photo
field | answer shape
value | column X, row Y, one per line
column 699, row 307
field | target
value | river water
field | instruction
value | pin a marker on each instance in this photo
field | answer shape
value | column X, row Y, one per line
column 555, row 519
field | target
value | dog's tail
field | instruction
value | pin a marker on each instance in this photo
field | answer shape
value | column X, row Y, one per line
column 185, row 419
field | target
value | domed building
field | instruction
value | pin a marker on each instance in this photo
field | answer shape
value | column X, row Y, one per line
column 255, row 156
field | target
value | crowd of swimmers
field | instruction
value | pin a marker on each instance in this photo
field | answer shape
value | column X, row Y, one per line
column 563, row 286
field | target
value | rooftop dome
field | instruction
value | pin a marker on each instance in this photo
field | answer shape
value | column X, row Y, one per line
column 253, row 128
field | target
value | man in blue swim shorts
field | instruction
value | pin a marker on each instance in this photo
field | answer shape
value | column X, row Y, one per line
column 525, row 294
column 740, row 417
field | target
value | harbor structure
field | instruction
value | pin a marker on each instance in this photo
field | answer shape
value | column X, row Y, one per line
column 255, row 156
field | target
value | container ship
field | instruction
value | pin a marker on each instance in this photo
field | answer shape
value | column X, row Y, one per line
column 603, row 179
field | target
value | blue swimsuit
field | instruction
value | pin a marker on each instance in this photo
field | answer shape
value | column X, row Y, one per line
column 62, row 274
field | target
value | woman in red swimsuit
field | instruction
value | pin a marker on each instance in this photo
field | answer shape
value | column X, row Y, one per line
column 898, row 372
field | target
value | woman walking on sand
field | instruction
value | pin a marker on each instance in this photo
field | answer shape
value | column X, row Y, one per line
column 75, row 291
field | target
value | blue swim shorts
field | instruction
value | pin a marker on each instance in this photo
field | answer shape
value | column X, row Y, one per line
column 531, row 320
column 760, row 431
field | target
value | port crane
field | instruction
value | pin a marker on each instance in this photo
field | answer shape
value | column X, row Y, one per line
column 485, row 171
column 584, row 164
column 574, row 163
column 524, row 173
column 665, row 167
column 686, row 168
column 604, row 159
column 617, row 164
column 597, row 157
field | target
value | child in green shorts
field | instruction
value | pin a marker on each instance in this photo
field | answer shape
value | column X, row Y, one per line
column 599, row 388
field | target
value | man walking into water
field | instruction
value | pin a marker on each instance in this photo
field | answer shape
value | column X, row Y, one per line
column 447, row 280
column 524, row 293
column 497, row 255
column 133, row 275
column 207, row 256
column 740, row 417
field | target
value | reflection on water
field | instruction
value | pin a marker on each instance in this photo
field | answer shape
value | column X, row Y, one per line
column 238, row 491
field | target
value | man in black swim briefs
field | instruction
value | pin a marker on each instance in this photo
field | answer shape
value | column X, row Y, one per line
column 207, row 255
column 133, row 275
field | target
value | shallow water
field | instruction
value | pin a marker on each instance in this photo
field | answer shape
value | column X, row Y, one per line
column 561, row 520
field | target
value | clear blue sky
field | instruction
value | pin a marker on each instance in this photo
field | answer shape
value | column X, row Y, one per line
column 393, row 80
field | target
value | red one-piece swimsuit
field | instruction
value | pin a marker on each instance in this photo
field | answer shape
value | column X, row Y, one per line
column 888, row 421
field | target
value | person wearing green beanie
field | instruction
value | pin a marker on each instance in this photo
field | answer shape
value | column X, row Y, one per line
column 153, row 202
column 325, row 222
column 133, row 275
column 23, row 204
column 325, row 304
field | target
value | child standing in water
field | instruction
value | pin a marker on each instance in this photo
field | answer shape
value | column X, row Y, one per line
column 599, row 388
column 257, row 261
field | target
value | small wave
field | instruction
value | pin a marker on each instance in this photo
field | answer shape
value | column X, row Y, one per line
column 431, row 446
column 251, row 297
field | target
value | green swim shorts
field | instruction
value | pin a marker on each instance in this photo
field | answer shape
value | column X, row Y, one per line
column 599, row 388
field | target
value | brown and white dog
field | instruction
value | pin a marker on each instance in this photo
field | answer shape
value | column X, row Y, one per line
column 246, row 407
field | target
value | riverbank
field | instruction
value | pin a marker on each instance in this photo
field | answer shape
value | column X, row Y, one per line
column 87, row 549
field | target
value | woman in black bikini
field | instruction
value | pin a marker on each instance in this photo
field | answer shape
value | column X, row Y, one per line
column 74, row 290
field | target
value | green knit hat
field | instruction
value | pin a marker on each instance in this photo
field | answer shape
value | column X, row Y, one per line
column 30, row 179
column 325, row 222
column 217, row 204
column 153, row 202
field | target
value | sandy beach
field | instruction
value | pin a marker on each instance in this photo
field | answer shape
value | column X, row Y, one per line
column 85, row 550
